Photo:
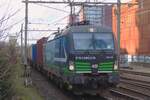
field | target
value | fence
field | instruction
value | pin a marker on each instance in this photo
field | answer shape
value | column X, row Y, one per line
column 125, row 60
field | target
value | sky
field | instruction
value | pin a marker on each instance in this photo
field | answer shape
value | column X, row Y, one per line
column 40, row 16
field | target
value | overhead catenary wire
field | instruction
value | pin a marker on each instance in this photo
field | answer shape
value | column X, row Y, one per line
column 74, row 3
column 47, row 23
column 54, row 22
column 31, row 39
column 52, row 8
column 41, row 30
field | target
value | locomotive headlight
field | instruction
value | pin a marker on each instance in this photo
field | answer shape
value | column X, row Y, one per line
column 71, row 65
column 116, row 66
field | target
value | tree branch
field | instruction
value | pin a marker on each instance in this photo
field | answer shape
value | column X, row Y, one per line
column 10, row 16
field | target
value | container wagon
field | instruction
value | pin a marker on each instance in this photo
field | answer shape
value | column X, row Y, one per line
column 39, row 59
column 32, row 55
column 29, row 54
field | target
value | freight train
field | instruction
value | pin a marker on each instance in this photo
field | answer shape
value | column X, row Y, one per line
column 81, row 58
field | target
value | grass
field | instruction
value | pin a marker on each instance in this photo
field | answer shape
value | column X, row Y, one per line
column 21, row 92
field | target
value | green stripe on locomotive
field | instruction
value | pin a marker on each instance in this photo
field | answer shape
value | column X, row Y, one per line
column 86, row 66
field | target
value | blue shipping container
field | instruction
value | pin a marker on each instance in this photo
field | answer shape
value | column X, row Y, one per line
column 34, row 52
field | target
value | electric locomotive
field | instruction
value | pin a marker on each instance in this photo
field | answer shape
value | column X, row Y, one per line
column 82, row 57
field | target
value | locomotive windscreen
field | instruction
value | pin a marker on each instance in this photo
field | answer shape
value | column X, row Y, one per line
column 93, row 41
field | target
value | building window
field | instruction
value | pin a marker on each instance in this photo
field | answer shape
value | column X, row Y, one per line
column 141, row 4
column 129, row 21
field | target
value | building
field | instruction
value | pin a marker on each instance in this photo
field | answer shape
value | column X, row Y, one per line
column 93, row 14
column 107, row 16
column 99, row 15
column 135, row 30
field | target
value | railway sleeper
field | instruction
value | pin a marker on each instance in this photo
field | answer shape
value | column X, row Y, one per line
column 136, row 77
column 122, row 71
column 124, row 94
column 137, row 83
column 136, row 89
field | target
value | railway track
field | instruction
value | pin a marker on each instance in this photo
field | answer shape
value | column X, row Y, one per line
column 133, row 85
column 50, row 91
column 125, row 94
column 134, row 72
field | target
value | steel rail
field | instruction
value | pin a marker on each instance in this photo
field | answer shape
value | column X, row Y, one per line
column 134, row 72
column 121, row 92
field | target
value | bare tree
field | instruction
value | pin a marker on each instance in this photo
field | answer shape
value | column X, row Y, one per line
column 5, row 25
column 7, row 52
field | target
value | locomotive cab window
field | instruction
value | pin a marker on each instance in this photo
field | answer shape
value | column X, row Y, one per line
column 82, row 41
column 103, row 41
column 93, row 41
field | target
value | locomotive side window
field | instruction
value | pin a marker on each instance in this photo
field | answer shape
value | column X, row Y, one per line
column 62, row 52
column 49, row 52
column 57, row 48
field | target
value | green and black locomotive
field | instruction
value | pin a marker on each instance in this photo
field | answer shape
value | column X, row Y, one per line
column 82, row 56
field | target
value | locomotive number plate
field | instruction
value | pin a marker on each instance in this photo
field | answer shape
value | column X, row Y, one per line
column 94, row 68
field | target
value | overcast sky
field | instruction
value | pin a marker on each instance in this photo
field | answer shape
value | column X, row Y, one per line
column 37, row 14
